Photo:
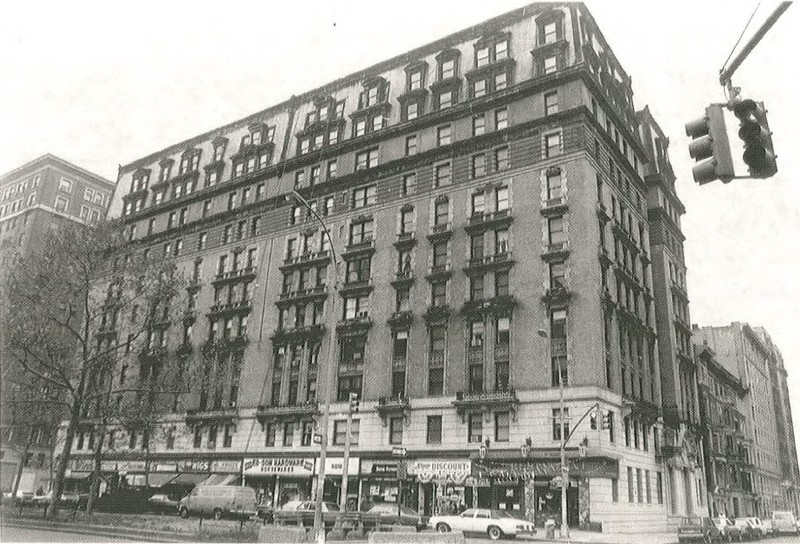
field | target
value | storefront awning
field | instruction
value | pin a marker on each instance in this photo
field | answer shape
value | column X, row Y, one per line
column 157, row 479
column 189, row 478
column 220, row 479
column 76, row 475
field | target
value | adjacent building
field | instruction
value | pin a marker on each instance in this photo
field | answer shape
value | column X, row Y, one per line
column 729, row 468
column 38, row 197
column 466, row 195
column 749, row 354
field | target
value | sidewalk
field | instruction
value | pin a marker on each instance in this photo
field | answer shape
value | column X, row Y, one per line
column 578, row 536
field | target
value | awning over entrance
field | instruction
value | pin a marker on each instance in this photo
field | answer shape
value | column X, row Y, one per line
column 589, row 467
column 220, row 479
column 157, row 479
column 76, row 475
column 189, row 478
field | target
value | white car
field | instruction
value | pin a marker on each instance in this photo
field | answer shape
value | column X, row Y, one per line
column 784, row 522
column 494, row 523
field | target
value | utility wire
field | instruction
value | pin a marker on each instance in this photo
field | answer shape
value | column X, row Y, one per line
column 740, row 36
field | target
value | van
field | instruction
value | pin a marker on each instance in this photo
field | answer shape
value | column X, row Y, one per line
column 784, row 522
column 218, row 501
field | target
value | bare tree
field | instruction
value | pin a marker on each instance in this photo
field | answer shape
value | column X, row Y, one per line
column 82, row 301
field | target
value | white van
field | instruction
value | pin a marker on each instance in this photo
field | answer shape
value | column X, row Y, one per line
column 218, row 501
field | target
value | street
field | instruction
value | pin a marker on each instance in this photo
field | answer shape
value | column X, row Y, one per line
column 18, row 534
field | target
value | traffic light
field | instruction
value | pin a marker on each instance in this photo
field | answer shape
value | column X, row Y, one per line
column 759, row 156
column 353, row 403
column 710, row 146
column 593, row 420
column 606, row 424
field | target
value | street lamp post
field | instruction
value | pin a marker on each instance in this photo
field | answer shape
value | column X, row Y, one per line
column 563, row 435
column 319, row 526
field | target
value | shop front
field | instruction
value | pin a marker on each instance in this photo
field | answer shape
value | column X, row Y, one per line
column 530, row 488
column 278, row 480
column 333, row 480
column 383, row 481
column 440, row 484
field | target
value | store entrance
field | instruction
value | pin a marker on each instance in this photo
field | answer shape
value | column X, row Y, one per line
column 548, row 504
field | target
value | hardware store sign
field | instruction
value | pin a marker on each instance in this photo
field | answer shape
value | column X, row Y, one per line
column 298, row 466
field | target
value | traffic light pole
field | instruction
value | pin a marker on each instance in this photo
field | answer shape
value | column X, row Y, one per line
column 726, row 74
column 345, row 461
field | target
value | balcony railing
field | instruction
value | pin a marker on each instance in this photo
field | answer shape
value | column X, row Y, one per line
column 501, row 305
column 475, row 355
column 405, row 239
column 357, row 248
column 237, row 306
column 361, row 321
column 305, row 331
column 554, row 206
column 486, row 401
column 296, row 411
column 308, row 258
column 501, row 352
column 499, row 260
column 555, row 250
column 440, row 232
column 216, row 415
column 557, row 294
column 235, row 275
column 436, row 359
column 487, row 220
column 438, row 272
column 436, row 313
column 318, row 291
column 401, row 318
column 355, row 285
column 393, row 406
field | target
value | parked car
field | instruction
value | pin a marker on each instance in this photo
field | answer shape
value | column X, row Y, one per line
column 494, row 523
column 729, row 531
column 304, row 510
column 389, row 515
column 218, row 501
column 764, row 526
column 748, row 529
column 68, row 498
column 698, row 529
column 163, row 504
column 784, row 522
column 310, row 506
column 767, row 524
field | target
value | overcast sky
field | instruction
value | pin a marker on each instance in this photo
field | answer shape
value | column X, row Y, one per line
column 104, row 83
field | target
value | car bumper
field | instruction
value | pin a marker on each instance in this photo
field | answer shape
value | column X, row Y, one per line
column 691, row 538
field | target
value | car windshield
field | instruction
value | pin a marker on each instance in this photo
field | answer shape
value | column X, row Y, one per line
column 407, row 510
column 691, row 521
column 781, row 516
column 332, row 507
column 502, row 514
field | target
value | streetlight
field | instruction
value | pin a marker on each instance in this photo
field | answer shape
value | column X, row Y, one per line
column 563, row 435
column 319, row 527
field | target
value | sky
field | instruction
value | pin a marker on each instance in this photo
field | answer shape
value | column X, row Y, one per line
column 104, row 83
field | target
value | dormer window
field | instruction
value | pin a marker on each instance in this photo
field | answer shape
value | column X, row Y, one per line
column 219, row 151
column 166, row 170
column 550, row 27
column 140, row 181
column 549, row 32
column 447, row 69
column 491, row 49
column 190, row 160
column 372, row 96
column 375, row 92
column 415, row 80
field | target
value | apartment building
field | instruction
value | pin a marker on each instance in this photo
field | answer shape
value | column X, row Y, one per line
column 749, row 353
column 36, row 198
column 477, row 226
column 728, row 455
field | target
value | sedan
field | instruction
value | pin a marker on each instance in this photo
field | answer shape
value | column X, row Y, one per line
column 494, row 523
column 390, row 515
column 748, row 528
column 727, row 529
column 697, row 529
column 162, row 504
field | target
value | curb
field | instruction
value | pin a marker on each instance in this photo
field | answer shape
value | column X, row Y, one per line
column 102, row 530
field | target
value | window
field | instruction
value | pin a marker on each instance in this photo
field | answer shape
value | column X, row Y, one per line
column 479, row 88
column 412, row 110
column 288, row 433
column 501, row 159
column 227, row 436
column 551, row 103
column 557, row 423
column 501, row 426
column 361, row 232
column 407, row 220
column 65, row 185
column 647, row 486
column 364, row 196
column 332, row 169
column 61, row 204
column 557, row 273
column 500, row 241
column 409, row 184
column 340, row 432
column 197, row 442
column 482, row 57
column 439, row 294
column 500, row 81
column 614, row 490
column 500, row 119
column 475, row 428
column 554, row 188
column 269, row 434
column 442, row 174
column 367, row 159
column 447, row 69
column 501, row 283
column 550, row 65
column 445, row 99
column 443, row 135
column 552, row 144
column 556, row 234
column 415, row 80
column 396, row 430
column 501, row 198
column 476, row 283
column 548, row 33
column 411, row 145
column 478, row 125
column 478, row 165
column 660, row 487
column 639, row 495
column 434, row 430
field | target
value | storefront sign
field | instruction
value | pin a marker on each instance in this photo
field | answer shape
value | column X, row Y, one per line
column 297, row 466
column 440, row 470
column 81, row 465
column 165, row 467
column 131, row 466
column 226, row 466
column 194, row 465
column 600, row 467
column 382, row 469
column 333, row 466
column 108, row 466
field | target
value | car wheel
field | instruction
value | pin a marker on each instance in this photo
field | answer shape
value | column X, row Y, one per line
column 494, row 533
column 443, row 528
column 184, row 512
column 217, row 513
